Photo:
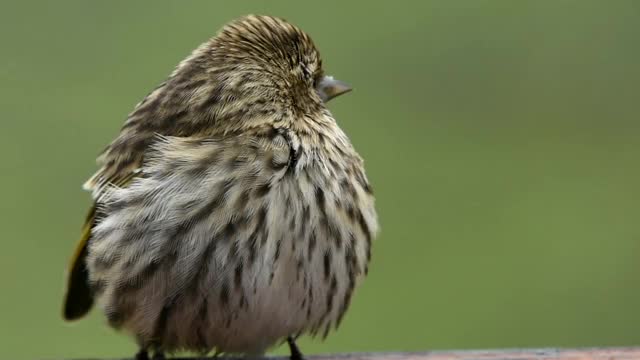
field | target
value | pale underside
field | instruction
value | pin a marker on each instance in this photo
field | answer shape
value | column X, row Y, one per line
column 232, row 244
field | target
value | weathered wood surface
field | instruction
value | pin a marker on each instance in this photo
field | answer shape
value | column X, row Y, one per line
column 515, row 354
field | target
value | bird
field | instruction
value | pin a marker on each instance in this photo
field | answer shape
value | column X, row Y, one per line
column 231, row 213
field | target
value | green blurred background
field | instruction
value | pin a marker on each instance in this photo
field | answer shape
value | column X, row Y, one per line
column 502, row 139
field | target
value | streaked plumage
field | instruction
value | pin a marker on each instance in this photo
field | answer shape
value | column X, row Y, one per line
column 231, row 212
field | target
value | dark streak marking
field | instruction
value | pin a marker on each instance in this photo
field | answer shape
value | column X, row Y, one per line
column 299, row 266
column 305, row 214
column 224, row 293
column 192, row 85
column 367, row 232
column 312, row 245
column 243, row 301
column 262, row 190
column 276, row 256
column 331, row 293
column 351, row 212
column 252, row 244
column 334, row 233
column 241, row 202
column 135, row 281
column 161, row 322
column 327, row 265
column 327, row 327
column 228, row 232
column 292, row 222
column 102, row 263
column 234, row 250
column 175, row 118
column 214, row 97
column 320, row 200
column 97, row 287
column 238, row 276
column 115, row 316
column 207, row 209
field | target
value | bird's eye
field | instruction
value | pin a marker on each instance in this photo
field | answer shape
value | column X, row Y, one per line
column 317, row 77
column 306, row 73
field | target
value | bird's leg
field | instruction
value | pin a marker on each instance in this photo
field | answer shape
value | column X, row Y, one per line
column 142, row 354
column 293, row 348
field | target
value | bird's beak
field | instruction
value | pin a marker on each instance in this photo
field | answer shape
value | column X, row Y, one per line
column 328, row 88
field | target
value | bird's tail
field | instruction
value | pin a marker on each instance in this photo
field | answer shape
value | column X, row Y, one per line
column 79, row 298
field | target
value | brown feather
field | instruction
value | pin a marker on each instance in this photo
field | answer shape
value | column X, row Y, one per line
column 250, row 219
column 78, row 298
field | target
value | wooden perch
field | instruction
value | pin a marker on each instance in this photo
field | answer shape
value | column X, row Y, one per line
column 524, row 354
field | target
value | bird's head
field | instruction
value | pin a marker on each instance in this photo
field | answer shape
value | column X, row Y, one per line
column 269, row 51
column 257, row 73
column 257, row 67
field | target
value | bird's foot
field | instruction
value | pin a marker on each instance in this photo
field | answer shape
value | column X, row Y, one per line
column 142, row 355
column 295, row 352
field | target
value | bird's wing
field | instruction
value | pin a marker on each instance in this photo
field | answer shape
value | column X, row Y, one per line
column 122, row 158
column 203, row 194
column 119, row 164
column 78, row 297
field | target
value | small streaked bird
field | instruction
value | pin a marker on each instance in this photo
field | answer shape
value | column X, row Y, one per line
column 231, row 213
